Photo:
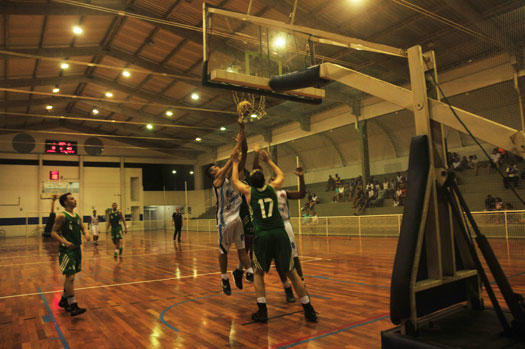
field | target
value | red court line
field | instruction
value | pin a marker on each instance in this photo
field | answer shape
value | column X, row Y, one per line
column 327, row 332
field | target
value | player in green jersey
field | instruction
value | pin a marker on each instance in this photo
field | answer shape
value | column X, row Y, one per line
column 271, row 240
column 67, row 231
column 115, row 216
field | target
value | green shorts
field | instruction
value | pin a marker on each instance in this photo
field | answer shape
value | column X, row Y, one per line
column 272, row 244
column 116, row 232
column 70, row 261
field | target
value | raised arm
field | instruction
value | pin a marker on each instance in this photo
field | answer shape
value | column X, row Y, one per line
column 59, row 221
column 279, row 175
column 242, row 187
column 301, row 193
column 244, row 149
column 225, row 171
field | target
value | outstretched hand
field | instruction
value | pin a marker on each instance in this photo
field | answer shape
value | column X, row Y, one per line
column 235, row 156
column 263, row 154
column 299, row 171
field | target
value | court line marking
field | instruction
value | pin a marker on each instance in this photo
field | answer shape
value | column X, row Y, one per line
column 53, row 320
column 106, row 257
column 121, row 284
column 330, row 332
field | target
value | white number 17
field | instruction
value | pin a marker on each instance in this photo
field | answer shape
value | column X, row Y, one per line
column 263, row 211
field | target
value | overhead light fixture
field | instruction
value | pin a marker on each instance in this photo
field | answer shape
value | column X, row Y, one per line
column 198, row 139
column 56, row 90
column 279, row 42
column 174, row 171
column 77, row 30
column 64, row 66
column 169, row 113
column 95, row 111
column 149, row 126
column 191, row 172
column 49, row 107
column 195, row 96
column 109, row 94
column 126, row 74
column 253, row 116
column 223, row 128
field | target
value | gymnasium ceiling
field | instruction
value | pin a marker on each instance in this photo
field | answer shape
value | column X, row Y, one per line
column 38, row 29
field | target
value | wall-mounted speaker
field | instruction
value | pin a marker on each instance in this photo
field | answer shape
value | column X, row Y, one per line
column 23, row 143
column 93, row 146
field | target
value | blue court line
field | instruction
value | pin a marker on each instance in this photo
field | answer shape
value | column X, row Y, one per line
column 51, row 318
column 346, row 282
column 364, row 323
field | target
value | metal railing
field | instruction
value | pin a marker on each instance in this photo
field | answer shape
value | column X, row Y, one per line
column 493, row 224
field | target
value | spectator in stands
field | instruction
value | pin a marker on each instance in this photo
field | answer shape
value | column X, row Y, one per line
column 473, row 163
column 349, row 189
column 341, row 194
column 331, row 184
column 306, row 217
column 359, row 194
column 377, row 201
column 495, row 158
column 511, row 176
column 398, row 199
column 315, row 219
column 490, row 203
column 499, row 204
column 464, row 163
column 456, row 164
column 314, row 200
column 399, row 178
column 387, row 187
column 337, row 180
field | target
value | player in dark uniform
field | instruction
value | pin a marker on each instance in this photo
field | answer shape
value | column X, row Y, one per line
column 115, row 217
column 67, row 230
column 271, row 240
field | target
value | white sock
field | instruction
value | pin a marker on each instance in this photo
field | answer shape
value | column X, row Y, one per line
column 261, row 300
column 286, row 284
column 305, row 300
column 71, row 300
column 225, row 276
column 249, row 270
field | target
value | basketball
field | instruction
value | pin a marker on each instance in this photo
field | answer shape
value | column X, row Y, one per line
column 244, row 109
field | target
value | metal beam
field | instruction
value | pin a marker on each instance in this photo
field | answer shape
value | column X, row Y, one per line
column 48, row 9
column 388, row 136
column 336, row 147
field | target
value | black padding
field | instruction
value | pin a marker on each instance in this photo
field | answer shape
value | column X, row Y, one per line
column 418, row 168
column 440, row 297
column 300, row 79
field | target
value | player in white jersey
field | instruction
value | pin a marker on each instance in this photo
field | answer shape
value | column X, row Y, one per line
column 230, row 226
column 93, row 224
column 284, row 209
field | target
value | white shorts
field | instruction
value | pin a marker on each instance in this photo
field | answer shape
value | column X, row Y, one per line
column 94, row 229
column 289, row 230
column 231, row 233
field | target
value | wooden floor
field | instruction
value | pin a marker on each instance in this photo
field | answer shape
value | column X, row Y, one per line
column 166, row 294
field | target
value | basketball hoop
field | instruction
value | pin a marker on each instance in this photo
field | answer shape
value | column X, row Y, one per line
column 249, row 106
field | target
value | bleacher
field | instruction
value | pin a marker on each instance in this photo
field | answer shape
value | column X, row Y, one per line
column 474, row 189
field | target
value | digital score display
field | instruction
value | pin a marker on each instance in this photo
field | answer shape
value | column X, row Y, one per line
column 54, row 175
column 61, row 147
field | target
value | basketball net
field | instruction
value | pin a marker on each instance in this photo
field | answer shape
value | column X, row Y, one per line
column 248, row 105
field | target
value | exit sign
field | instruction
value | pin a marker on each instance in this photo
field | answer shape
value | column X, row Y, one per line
column 54, row 175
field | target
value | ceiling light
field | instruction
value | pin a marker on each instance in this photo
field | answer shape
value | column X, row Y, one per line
column 195, row 96
column 253, row 116
column 229, row 70
column 49, row 107
column 169, row 113
column 279, row 42
column 126, row 73
column 64, row 66
column 223, row 128
column 109, row 94
column 95, row 111
column 77, row 30
column 174, row 171
column 198, row 139
column 191, row 172
column 149, row 126
column 56, row 90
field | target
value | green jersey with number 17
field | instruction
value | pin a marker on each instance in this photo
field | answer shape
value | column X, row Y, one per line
column 265, row 209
